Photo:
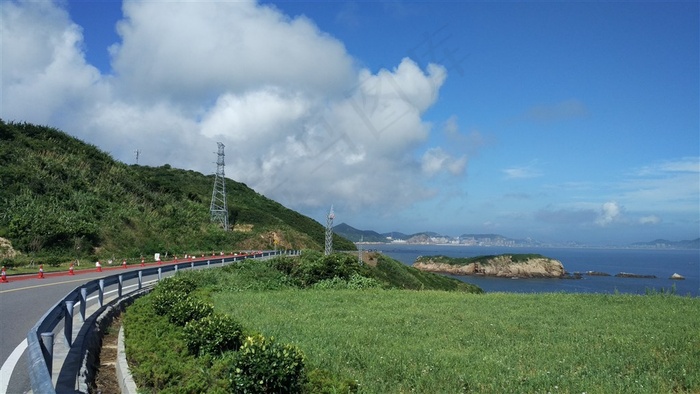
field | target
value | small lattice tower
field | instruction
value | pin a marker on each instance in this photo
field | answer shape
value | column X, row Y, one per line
column 329, row 232
column 218, row 209
column 359, row 250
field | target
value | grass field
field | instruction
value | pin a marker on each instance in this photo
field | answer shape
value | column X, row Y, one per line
column 394, row 341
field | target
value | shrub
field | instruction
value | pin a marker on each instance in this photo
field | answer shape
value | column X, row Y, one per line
column 356, row 282
column 188, row 309
column 213, row 335
column 182, row 284
column 327, row 267
column 164, row 301
column 265, row 366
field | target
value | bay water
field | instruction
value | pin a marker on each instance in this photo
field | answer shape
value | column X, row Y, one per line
column 659, row 262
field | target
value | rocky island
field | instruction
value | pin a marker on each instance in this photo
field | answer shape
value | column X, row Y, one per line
column 504, row 265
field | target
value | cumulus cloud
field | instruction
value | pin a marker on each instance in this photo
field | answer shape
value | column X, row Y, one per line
column 44, row 74
column 300, row 121
column 190, row 51
column 609, row 213
column 436, row 160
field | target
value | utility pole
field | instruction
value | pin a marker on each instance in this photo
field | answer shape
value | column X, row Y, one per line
column 359, row 249
column 329, row 232
column 218, row 209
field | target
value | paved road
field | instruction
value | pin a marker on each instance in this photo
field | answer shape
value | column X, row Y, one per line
column 23, row 301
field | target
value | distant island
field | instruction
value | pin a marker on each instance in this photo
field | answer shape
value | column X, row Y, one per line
column 432, row 238
column 504, row 265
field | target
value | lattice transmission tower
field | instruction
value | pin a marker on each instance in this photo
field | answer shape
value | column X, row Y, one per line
column 359, row 250
column 218, row 209
column 329, row 232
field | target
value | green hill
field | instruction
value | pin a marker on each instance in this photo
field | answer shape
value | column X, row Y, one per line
column 62, row 197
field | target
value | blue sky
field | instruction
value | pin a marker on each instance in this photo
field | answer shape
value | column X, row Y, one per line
column 550, row 120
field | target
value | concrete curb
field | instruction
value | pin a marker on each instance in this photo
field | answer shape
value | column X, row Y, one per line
column 126, row 382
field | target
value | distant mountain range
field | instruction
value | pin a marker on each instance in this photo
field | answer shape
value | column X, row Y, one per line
column 664, row 243
column 429, row 237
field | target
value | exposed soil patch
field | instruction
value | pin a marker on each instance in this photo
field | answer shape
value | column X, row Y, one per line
column 106, row 378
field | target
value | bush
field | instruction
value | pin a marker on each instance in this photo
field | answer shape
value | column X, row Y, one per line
column 356, row 282
column 213, row 335
column 264, row 366
column 188, row 309
column 164, row 301
column 338, row 265
column 171, row 291
column 182, row 284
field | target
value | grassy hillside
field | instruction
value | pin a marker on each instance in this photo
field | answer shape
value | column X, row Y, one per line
column 392, row 341
column 157, row 347
column 446, row 342
column 62, row 197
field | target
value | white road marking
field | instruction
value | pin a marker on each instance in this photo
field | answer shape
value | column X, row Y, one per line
column 9, row 365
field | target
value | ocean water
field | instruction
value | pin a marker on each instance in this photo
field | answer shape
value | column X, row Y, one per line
column 659, row 262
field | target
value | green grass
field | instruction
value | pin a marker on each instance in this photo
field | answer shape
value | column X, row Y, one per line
column 394, row 341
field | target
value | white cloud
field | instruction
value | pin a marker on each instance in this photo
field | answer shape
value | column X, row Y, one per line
column 300, row 122
column 44, row 75
column 681, row 165
column 609, row 213
column 193, row 50
column 651, row 219
column 523, row 172
column 436, row 160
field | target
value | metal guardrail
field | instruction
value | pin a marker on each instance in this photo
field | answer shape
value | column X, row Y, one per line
column 40, row 338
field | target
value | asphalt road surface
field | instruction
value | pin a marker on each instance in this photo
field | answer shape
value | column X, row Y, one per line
column 23, row 301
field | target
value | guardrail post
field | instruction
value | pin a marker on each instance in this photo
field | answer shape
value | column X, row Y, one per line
column 83, row 303
column 208, row 263
column 101, row 293
column 47, row 349
column 222, row 262
column 160, row 274
column 192, row 264
column 68, row 327
column 120, row 286
column 140, row 279
column 176, row 268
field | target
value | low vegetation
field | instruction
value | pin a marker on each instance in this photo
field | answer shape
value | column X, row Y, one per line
column 176, row 329
column 63, row 200
column 483, row 260
column 357, row 332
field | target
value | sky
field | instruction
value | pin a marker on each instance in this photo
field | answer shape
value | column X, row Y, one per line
column 561, row 122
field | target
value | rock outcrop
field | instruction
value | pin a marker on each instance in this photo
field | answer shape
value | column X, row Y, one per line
column 677, row 277
column 499, row 266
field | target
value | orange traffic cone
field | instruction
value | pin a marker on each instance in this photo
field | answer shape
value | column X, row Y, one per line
column 143, row 262
column 70, row 269
column 3, row 276
column 41, row 271
column 124, row 263
column 99, row 266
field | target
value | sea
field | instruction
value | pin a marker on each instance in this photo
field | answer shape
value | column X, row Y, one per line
column 661, row 263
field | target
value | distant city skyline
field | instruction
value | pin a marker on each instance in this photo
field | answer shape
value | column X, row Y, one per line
column 559, row 121
column 491, row 239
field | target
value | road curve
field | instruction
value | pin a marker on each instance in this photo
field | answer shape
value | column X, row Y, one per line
column 23, row 301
